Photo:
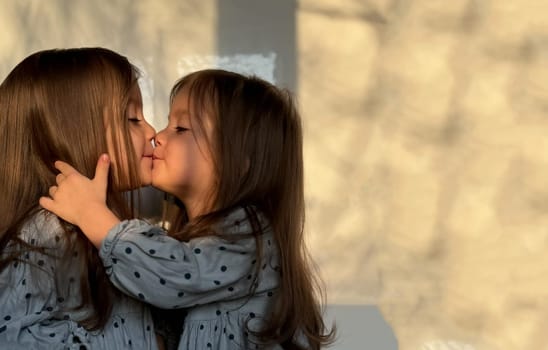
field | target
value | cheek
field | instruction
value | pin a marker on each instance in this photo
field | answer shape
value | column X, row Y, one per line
column 138, row 141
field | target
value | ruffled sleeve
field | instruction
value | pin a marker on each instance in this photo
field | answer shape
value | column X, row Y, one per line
column 145, row 263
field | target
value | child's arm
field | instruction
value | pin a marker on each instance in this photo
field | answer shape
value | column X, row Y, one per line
column 82, row 201
column 144, row 262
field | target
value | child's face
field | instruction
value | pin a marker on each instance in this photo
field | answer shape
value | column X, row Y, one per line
column 182, row 162
column 142, row 134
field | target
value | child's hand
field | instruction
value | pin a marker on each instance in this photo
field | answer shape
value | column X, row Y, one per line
column 75, row 192
column 82, row 201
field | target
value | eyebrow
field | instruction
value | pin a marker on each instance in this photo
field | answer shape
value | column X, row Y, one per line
column 135, row 102
column 178, row 114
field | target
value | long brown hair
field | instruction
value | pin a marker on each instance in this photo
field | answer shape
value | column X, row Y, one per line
column 56, row 105
column 257, row 150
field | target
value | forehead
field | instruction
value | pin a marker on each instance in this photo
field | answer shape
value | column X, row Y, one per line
column 135, row 94
column 180, row 106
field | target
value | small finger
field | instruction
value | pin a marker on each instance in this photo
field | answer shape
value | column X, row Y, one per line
column 52, row 191
column 60, row 178
column 64, row 168
column 46, row 203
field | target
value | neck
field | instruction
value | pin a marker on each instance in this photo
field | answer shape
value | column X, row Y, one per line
column 194, row 208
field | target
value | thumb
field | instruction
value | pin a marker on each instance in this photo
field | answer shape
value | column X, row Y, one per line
column 101, row 171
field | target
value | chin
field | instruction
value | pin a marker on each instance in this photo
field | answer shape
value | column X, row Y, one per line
column 146, row 177
column 158, row 186
column 146, row 181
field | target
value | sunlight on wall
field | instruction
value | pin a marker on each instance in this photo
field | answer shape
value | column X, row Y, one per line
column 426, row 143
column 260, row 65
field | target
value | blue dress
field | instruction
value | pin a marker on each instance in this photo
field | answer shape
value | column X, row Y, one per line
column 35, row 302
column 210, row 277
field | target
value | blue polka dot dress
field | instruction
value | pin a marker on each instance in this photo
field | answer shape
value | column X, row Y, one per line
column 210, row 277
column 36, row 302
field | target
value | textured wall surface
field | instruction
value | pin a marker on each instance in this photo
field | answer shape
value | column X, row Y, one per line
column 426, row 145
column 427, row 150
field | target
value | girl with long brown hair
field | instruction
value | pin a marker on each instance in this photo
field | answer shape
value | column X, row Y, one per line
column 234, row 256
column 70, row 104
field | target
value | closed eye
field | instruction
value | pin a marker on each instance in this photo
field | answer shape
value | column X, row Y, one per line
column 180, row 129
column 134, row 120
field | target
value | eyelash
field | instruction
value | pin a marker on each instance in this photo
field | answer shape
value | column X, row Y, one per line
column 134, row 120
column 180, row 129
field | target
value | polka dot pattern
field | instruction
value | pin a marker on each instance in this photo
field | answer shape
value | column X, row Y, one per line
column 49, row 301
column 207, row 270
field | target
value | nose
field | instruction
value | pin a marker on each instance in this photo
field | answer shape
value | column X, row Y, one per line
column 149, row 131
column 159, row 139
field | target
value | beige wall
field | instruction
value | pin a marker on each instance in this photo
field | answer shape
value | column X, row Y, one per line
column 426, row 148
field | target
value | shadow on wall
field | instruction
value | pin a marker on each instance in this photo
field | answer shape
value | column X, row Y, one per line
column 360, row 327
column 268, row 21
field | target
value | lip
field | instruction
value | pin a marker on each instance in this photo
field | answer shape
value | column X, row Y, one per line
column 154, row 156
